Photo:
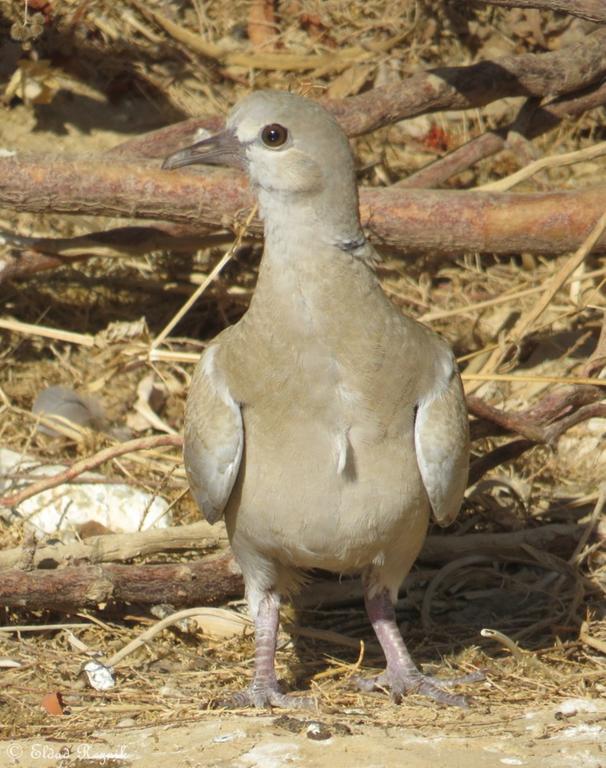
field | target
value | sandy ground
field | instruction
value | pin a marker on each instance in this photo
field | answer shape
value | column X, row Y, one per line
column 535, row 738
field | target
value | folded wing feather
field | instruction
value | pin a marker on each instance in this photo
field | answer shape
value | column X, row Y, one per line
column 442, row 447
column 214, row 437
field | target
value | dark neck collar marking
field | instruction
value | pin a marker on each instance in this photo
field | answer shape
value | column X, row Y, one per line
column 350, row 246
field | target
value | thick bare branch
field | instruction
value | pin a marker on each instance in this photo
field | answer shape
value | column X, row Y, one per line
column 444, row 88
column 545, row 75
column 204, row 582
column 131, row 240
column 29, row 255
column 593, row 10
column 214, row 580
column 542, row 423
column 163, row 141
column 457, row 161
column 534, row 434
column 558, row 538
column 444, row 223
column 116, row 547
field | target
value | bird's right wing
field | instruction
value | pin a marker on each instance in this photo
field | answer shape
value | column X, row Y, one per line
column 214, row 437
column 442, row 446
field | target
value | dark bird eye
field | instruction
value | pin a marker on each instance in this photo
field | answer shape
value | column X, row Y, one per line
column 274, row 135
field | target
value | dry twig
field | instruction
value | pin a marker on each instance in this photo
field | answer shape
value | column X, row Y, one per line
column 445, row 223
column 85, row 465
column 533, row 120
column 204, row 582
column 120, row 547
column 262, row 26
column 214, row 580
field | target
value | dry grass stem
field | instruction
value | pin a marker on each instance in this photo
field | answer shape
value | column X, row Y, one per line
column 43, row 627
column 150, row 633
column 503, row 640
column 528, row 319
column 505, row 299
column 282, row 62
column 211, row 277
column 531, row 379
column 29, row 329
column 553, row 161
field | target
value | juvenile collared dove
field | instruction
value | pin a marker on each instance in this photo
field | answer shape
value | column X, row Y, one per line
column 324, row 425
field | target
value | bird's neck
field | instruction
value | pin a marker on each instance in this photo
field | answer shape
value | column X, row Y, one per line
column 327, row 218
column 313, row 269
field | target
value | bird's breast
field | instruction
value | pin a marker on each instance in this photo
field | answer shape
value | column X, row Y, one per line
column 324, row 488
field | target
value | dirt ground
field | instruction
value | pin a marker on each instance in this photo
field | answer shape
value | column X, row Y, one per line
column 542, row 705
column 535, row 739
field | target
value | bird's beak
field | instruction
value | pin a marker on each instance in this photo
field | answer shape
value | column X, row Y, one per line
column 221, row 149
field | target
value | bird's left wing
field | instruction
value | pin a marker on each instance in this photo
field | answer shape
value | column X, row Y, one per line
column 214, row 437
column 442, row 446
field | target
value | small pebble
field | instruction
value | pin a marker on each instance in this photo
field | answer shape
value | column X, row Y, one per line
column 571, row 707
column 126, row 722
column 317, row 732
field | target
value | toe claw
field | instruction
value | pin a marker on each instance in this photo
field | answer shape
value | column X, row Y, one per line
column 401, row 684
column 427, row 687
column 369, row 684
column 450, row 682
column 265, row 697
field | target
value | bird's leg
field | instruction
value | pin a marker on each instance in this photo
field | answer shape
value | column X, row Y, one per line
column 401, row 674
column 264, row 690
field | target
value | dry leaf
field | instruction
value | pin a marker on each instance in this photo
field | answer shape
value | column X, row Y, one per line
column 6, row 663
column 350, row 82
column 92, row 528
column 150, row 397
column 33, row 82
column 220, row 623
column 53, row 703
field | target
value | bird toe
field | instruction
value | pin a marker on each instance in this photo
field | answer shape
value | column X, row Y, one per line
column 401, row 683
column 265, row 697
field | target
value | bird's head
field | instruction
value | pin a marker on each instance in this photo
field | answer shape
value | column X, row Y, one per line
column 294, row 152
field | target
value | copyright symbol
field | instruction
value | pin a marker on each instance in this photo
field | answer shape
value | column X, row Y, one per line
column 15, row 751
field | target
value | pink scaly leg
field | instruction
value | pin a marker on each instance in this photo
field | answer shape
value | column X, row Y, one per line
column 401, row 675
column 264, row 690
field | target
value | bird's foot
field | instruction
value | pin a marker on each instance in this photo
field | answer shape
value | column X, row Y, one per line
column 262, row 696
column 402, row 682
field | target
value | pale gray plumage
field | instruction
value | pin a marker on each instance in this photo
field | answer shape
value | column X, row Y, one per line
column 324, row 425
column 67, row 404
